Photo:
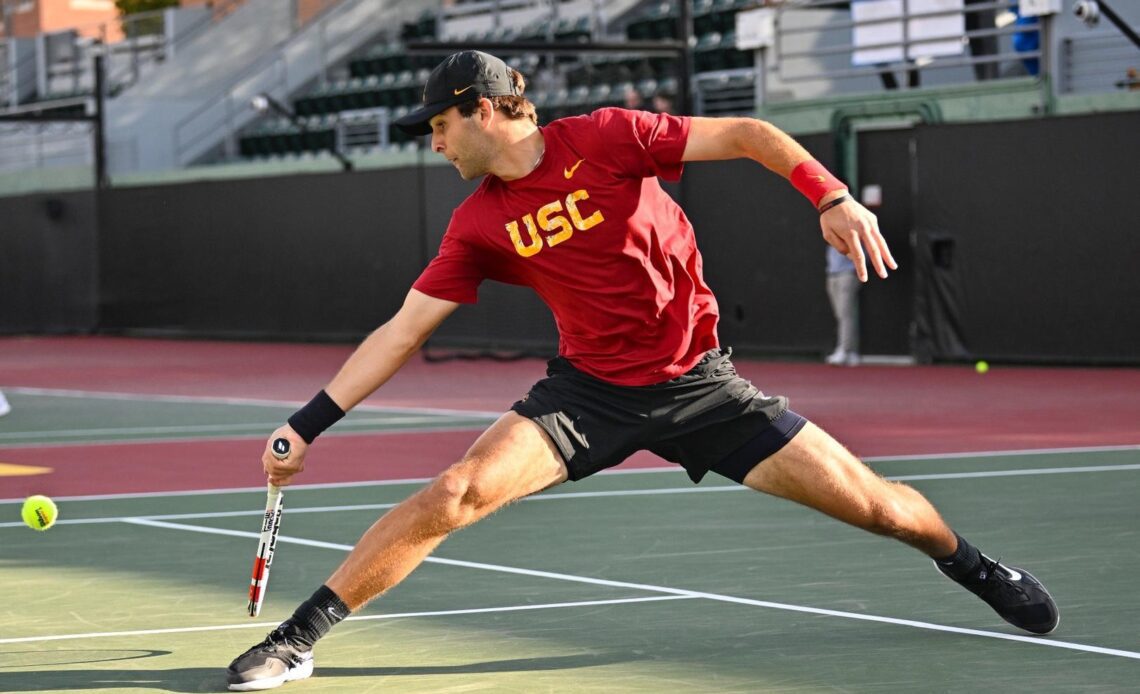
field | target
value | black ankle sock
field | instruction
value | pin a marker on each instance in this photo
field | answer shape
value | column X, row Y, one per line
column 963, row 561
column 316, row 616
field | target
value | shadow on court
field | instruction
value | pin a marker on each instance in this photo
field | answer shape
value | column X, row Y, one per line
column 76, row 656
column 199, row 679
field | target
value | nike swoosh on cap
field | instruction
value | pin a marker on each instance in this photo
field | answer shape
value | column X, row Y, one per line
column 457, row 92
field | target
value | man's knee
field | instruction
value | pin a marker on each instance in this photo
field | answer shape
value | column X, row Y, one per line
column 456, row 499
column 891, row 513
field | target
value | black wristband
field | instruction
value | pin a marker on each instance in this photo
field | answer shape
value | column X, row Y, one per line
column 834, row 203
column 319, row 414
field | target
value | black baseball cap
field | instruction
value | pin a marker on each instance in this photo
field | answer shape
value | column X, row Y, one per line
column 463, row 76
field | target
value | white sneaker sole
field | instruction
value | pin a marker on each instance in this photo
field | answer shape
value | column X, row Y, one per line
column 302, row 671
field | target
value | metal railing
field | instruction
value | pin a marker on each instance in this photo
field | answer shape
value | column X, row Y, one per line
column 29, row 145
column 131, row 44
column 871, row 37
column 327, row 38
column 1098, row 62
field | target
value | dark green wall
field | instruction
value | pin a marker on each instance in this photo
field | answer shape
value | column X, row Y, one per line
column 1037, row 216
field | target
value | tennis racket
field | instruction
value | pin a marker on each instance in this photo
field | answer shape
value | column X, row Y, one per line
column 267, row 544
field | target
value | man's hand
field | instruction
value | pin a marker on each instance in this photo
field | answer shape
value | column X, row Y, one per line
column 854, row 231
column 280, row 472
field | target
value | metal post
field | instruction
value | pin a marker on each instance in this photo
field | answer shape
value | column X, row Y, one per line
column 1047, row 64
column 229, row 145
column 685, row 83
column 906, row 40
column 760, row 81
column 101, row 179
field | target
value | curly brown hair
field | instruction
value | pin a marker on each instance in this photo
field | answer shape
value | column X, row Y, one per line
column 514, row 107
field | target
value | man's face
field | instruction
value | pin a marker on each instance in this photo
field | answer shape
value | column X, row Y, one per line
column 463, row 141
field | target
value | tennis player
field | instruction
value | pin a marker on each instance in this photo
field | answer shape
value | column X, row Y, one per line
column 575, row 211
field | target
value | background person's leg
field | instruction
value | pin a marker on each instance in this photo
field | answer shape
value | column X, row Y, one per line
column 847, row 312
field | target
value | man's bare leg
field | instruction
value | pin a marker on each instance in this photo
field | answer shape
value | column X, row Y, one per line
column 512, row 459
column 813, row 469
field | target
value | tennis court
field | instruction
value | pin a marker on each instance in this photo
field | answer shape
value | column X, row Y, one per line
column 630, row 581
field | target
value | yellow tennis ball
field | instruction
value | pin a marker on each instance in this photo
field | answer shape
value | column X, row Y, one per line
column 39, row 512
column 982, row 367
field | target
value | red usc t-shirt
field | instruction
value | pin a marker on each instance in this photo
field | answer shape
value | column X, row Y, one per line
column 591, row 230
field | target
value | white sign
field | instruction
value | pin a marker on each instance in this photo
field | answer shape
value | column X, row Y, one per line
column 873, row 28
column 755, row 28
column 1036, row 8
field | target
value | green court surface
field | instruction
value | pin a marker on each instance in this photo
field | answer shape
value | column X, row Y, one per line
column 622, row 583
column 57, row 417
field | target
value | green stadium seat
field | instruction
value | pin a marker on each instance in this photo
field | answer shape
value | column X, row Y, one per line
column 395, row 134
column 535, row 31
column 600, row 95
column 703, row 18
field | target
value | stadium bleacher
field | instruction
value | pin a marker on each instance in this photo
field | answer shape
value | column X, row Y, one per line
column 346, row 91
column 384, row 78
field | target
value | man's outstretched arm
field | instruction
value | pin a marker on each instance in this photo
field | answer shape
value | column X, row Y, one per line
column 377, row 358
column 851, row 228
column 388, row 348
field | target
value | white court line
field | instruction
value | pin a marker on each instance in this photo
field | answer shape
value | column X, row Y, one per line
column 258, row 428
column 1013, row 452
column 443, row 426
column 432, row 411
column 554, row 496
column 230, row 490
column 255, row 402
column 1014, row 473
column 676, row 591
column 675, row 469
column 361, row 618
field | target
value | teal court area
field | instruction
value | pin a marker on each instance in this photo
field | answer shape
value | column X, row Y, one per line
column 636, row 582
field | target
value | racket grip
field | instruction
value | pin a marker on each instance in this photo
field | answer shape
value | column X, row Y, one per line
column 281, row 448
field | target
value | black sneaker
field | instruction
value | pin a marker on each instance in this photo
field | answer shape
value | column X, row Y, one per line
column 1014, row 593
column 271, row 663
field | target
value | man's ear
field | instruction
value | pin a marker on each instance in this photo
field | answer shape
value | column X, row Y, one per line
column 486, row 111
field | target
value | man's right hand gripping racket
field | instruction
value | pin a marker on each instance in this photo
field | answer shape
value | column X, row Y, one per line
column 270, row 524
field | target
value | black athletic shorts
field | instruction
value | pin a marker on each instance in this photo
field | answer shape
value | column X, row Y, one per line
column 708, row 418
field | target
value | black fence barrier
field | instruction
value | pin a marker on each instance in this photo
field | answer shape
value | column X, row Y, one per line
column 1032, row 234
column 292, row 257
column 764, row 255
column 48, row 263
column 1017, row 239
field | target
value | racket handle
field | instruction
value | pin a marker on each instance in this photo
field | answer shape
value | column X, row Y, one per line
column 281, row 448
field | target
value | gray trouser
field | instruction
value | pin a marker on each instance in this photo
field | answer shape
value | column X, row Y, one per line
column 843, row 290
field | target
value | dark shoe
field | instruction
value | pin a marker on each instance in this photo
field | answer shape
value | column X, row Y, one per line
column 1014, row 593
column 271, row 663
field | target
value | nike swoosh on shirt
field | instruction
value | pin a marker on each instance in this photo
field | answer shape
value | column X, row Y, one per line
column 569, row 173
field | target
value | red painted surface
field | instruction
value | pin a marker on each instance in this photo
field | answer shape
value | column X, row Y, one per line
column 874, row 410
